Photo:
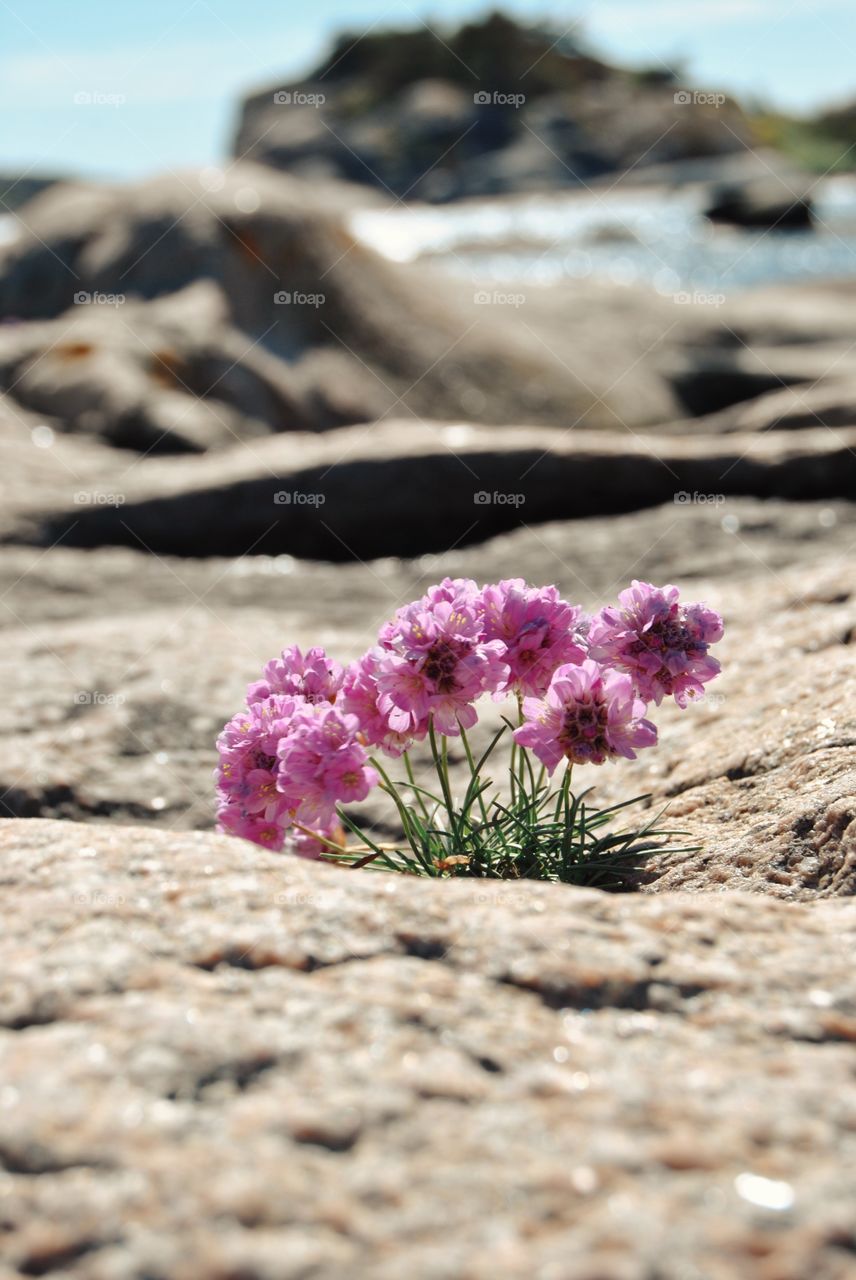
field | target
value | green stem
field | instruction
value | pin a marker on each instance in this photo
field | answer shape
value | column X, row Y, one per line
column 570, row 807
column 472, row 764
column 408, row 764
column 389, row 787
column 521, row 758
column 442, row 767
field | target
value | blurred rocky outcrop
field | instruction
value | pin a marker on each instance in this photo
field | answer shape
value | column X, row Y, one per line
column 356, row 336
column 489, row 108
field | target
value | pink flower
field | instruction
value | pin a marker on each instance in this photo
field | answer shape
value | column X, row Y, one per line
column 314, row 677
column 463, row 592
column 286, row 762
column 307, row 846
column 232, row 820
column 434, row 663
column 589, row 715
column 539, row 632
column 359, row 698
column 249, row 801
column 322, row 763
column 662, row 644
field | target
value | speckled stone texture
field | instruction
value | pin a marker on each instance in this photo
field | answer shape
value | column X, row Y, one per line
column 217, row 1062
column 120, row 668
column 762, row 772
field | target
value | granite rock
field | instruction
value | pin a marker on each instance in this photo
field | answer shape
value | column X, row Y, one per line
column 220, row 1062
column 295, row 282
column 121, row 667
column 305, row 494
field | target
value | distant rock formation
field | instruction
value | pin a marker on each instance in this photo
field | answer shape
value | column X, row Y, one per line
column 17, row 189
column 489, row 108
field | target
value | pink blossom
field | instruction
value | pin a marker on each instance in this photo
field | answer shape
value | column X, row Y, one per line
column 315, row 676
column 246, row 776
column 287, row 762
column 463, row 592
column 322, row 763
column 662, row 644
column 538, row 629
column 589, row 714
column 309, row 846
column 233, row 820
column 434, row 662
column 360, row 698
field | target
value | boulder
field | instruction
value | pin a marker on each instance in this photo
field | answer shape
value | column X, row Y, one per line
column 792, row 337
column 811, row 313
column 43, row 470
column 829, row 403
column 18, row 188
column 306, row 495
column 773, row 202
column 295, row 283
column 711, row 377
column 219, row 1061
column 169, row 376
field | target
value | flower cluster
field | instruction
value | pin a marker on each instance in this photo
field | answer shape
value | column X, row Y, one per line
column 289, row 759
column 662, row 644
column 582, row 687
column 590, row 714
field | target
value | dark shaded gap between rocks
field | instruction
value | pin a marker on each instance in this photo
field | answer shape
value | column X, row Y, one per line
column 415, row 505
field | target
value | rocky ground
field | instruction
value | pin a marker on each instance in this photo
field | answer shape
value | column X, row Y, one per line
column 122, row 665
column 218, row 1062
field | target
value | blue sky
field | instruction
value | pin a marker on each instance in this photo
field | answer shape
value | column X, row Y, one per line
column 174, row 69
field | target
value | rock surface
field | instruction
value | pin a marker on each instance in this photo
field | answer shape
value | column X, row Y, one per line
column 171, row 376
column 360, row 336
column 219, row 1062
column 121, row 667
column 775, row 202
column 306, row 495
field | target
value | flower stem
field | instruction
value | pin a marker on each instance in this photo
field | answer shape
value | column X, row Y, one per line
column 420, row 800
column 388, row 786
column 471, row 761
column 441, row 764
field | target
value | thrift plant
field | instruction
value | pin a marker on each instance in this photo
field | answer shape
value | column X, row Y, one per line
column 310, row 739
